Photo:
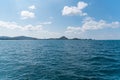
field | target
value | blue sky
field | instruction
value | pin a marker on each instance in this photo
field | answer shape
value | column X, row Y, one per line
column 97, row 19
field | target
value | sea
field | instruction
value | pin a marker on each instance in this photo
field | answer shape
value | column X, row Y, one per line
column 60, row 60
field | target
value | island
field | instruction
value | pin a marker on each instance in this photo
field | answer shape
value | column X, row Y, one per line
column 17, row 38
column 32, row 38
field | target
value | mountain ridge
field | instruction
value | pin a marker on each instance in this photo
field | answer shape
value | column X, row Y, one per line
column 17, row 38
column 32, row 38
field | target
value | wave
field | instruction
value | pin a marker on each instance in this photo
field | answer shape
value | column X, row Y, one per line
column 102, row 59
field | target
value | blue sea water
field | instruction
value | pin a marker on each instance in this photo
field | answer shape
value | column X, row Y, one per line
column 60, row 60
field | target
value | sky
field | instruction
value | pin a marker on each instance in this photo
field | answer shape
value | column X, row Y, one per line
column 96, row 19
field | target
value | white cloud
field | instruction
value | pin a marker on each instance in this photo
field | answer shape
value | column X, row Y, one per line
column 73, row 29
column 28, row 30
column 75, row 10
column 32, row 28
column 81, row 5
column 13, row 25
column 91, row 24
column 32, row 7
column 46, row 23
column 27, row 14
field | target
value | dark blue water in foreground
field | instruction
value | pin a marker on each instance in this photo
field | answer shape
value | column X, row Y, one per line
column 59, row 60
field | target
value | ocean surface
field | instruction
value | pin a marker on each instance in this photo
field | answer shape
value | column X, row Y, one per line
column 60, row 60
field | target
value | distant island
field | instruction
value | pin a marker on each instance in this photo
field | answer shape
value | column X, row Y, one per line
column 17, row 38
column 32, row 38
column 65, row 38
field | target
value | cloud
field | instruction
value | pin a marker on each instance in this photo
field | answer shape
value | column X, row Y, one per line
column 91, row 24
column 46, row 23
column 75, row 10
column 37, row 31
column 73, row 29
column 81, row 5
column 14, row 25
column 32, row 7
column 27, row 14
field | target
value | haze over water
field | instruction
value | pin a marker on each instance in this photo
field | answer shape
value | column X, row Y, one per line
column 60, row 60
